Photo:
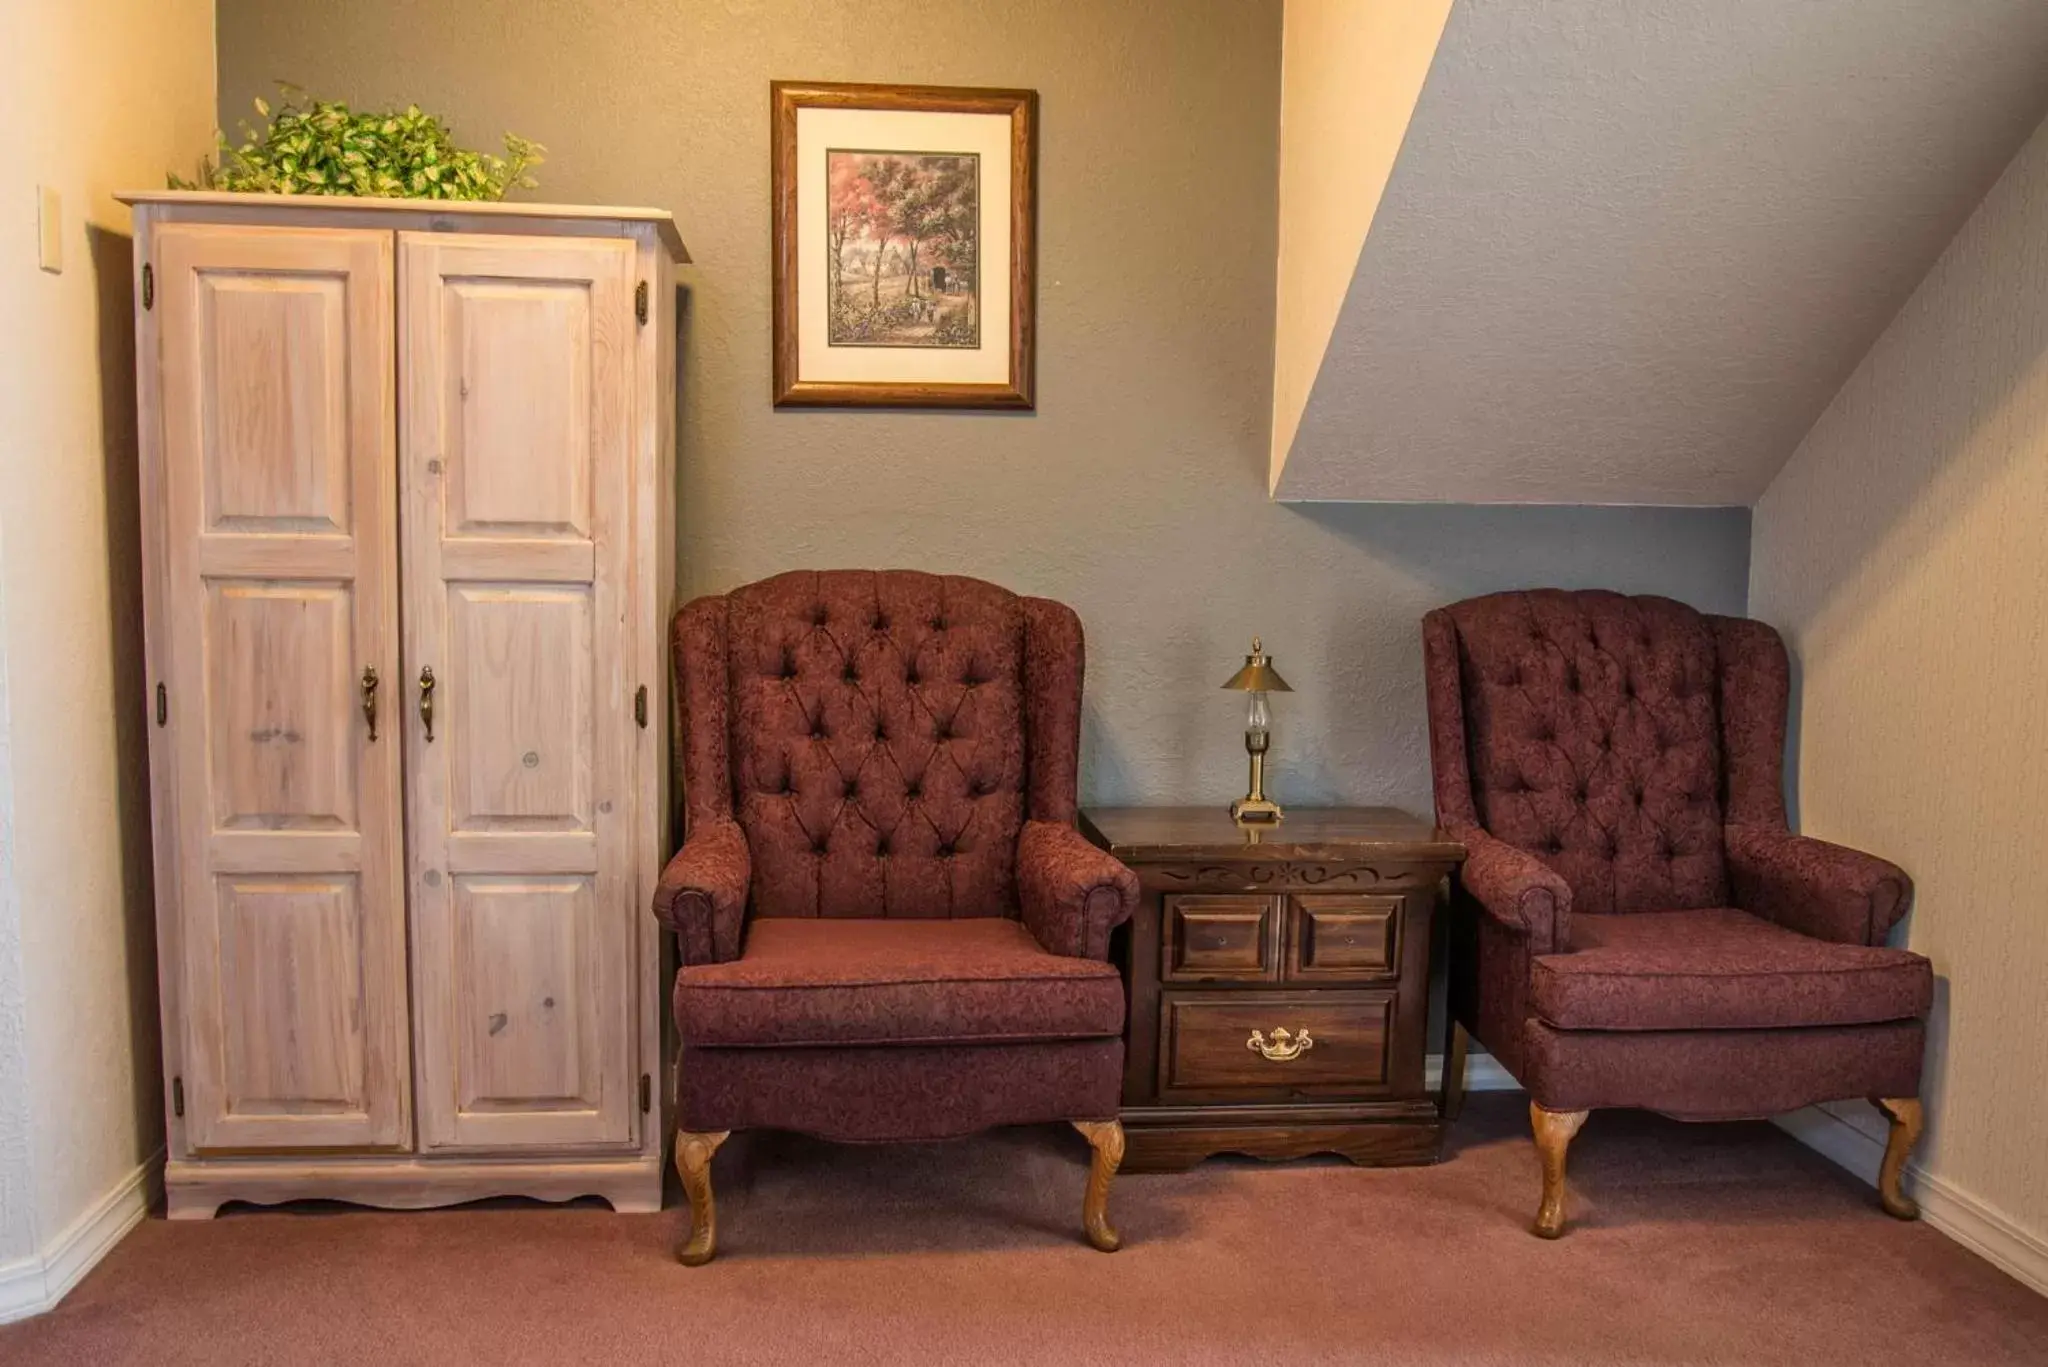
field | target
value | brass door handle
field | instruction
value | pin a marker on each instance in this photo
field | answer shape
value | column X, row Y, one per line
column 1283, row 1047
column 427, row 701
column 370, row 698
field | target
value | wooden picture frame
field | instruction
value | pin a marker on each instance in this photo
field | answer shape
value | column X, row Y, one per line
column 868, row 314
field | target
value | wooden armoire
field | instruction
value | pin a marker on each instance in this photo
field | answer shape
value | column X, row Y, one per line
column 407, row 491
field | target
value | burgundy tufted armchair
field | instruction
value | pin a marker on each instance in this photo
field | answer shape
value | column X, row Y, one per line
column 1635, row 924
column 889, row 927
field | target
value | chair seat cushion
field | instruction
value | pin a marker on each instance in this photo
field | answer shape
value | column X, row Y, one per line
column 1719, row 968
column 805, row 981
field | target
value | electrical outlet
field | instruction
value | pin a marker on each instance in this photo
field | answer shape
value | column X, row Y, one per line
column 50, row 229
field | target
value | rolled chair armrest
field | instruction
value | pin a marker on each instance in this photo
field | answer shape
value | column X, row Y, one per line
column 1517, row 889
column 702, row 895
column 1827, row 891
column 1072, row 893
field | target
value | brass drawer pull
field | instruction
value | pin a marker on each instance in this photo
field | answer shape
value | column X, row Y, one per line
column 1283, row 1046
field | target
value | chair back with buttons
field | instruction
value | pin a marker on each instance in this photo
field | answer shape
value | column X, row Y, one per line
column 1594, row 740
column 880, row 736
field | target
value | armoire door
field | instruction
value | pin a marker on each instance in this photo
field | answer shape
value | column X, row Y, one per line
column 515, row 458
column 279, row 591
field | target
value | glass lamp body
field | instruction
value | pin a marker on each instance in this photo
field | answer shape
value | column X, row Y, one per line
column 1255, row 806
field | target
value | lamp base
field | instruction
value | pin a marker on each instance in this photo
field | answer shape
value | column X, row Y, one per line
column 1255, row 810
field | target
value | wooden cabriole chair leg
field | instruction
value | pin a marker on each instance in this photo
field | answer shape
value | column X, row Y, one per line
column 693, row 1165
column 1106, row 1137
column 1906, row 1117
column 1554, row 1131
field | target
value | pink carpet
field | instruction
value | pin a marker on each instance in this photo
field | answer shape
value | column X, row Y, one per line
column 1693, row 1244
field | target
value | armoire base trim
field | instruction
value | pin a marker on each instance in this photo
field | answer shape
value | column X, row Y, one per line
column 195, row 1190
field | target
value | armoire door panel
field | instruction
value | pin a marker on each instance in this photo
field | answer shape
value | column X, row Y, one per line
column 514, row 464
column 291, row 997
column 521, row 443
column 520, row 737
column 280, row 705
column 275, row 364
column 278, row 451
column 529, row 964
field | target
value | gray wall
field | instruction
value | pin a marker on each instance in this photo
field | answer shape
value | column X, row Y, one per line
column 1136, row 492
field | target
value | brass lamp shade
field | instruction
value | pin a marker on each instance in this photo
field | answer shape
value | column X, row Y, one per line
column 1258, row 674
column 1258, row 678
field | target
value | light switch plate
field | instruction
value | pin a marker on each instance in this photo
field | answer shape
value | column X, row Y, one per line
column 50, row 229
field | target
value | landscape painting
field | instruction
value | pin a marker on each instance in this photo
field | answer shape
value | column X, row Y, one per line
column 904, row 221
column 902, row 238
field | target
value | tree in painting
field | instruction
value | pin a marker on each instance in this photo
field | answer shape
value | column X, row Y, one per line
column 902, row 236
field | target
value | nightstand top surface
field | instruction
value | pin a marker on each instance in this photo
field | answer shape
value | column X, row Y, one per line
column 1305, row 833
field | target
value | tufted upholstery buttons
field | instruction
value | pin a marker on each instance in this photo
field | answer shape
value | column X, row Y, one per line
column 834, row 711
column 946, row 850
column 1602, row 710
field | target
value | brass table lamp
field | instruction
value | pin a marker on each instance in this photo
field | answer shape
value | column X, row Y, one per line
column 1258, row 678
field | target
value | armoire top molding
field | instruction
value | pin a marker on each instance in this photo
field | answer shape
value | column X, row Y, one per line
column 661, row 220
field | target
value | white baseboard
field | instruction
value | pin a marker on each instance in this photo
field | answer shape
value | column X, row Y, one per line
column 2020, row 1253
column 1482, row 1074
column 31, row 1285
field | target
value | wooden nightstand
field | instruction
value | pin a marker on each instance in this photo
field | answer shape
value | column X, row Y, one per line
column 1279, row 982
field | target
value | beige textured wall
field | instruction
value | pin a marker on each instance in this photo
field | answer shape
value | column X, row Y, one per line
column 101, row 95
column 1902, row 550
column 1136, row 492
column 1350, row 72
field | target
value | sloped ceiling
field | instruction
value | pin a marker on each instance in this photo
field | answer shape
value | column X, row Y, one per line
column 1628, row 251
column 1350, row 72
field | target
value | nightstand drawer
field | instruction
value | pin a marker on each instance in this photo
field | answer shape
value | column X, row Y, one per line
column 1277, row 1042
column 1343, row 937
column 1212, row 937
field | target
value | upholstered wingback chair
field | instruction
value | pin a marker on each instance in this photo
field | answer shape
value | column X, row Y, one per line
column 1635, row 924
column 888, row 925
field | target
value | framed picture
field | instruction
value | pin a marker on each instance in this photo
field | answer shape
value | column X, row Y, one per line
column 904, row 245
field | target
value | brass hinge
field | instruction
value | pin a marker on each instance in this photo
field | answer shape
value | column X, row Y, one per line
column 163, row 705
column 640, row 301
column 148, row 286
column 640, row 706
column 646, row 1093
column 178, row 1096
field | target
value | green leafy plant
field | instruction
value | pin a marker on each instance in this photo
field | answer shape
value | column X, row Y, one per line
column 322, row 147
